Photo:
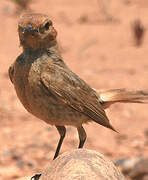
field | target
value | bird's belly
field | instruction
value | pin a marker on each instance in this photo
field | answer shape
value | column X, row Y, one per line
column 47, row 107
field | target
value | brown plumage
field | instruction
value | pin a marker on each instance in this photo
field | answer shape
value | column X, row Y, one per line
column 50, row 90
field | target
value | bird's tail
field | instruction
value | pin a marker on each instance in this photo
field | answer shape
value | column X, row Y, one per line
column 108, row 97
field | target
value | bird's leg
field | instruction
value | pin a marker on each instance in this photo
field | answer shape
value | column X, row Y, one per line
column 62, row 132
column 82, row 136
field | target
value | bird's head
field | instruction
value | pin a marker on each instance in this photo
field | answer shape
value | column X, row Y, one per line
column 36, row 31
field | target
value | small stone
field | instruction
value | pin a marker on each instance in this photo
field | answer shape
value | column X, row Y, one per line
column 127, row 164
column 140, row 170
column 9, row 172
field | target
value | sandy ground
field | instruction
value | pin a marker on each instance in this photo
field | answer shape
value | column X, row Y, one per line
column 104, row 55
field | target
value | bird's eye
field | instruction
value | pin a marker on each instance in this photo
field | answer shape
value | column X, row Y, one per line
column 47, row 25
column 44, row 28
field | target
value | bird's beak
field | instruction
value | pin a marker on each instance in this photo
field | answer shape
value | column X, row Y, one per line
column 29, row 29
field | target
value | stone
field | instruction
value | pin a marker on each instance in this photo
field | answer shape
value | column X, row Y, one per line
column 81, row 164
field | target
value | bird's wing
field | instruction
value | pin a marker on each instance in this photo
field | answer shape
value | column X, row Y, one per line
column 73, row 91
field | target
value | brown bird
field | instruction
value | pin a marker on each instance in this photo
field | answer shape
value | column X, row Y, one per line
column 49, row 90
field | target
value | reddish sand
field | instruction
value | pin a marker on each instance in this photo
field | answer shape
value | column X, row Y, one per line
column 100, row 52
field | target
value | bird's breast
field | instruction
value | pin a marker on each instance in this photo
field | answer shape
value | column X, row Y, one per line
column 40, row 102
column 27, row 85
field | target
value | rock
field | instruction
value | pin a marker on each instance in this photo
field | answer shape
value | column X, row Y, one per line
column 81, row 164
column 127, row 164
column 135, row 168
column 140, row 170
column 9, row 172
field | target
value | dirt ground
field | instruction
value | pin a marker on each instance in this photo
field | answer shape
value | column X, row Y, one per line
column 101, row 52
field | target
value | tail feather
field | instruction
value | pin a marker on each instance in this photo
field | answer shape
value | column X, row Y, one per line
column 108, row 97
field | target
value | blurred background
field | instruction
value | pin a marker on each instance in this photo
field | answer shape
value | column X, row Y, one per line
column 106, row 43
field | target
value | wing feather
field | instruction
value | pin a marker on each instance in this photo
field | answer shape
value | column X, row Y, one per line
column 73, row 91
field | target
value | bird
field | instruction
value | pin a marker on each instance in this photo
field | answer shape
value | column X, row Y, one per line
column 49, row 90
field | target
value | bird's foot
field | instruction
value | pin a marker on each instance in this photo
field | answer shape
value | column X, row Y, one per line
column 36, row 177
